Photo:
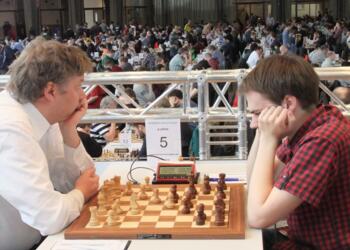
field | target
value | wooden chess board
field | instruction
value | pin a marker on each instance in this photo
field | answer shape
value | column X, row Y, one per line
column 158, row 222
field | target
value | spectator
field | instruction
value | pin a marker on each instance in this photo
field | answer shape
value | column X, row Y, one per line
column 104, row 132
column 91, row 146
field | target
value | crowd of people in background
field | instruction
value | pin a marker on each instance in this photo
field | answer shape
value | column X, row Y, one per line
column 322, row 41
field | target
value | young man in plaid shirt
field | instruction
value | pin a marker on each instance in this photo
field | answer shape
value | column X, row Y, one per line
column 300, row 158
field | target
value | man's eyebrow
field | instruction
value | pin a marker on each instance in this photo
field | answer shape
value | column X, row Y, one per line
column 254, row 111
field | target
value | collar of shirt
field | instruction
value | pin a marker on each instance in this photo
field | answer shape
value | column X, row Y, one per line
column 38, row 121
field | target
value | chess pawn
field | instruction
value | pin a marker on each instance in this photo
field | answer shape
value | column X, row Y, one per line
column 155, row 197
column 173, row 190
column 220, row 189
column 206, row 185
column 148, row 187
column 186, row 205
column 169, row 203
column 142, row 194
column 93, row 222
column 201, row 216
column 128, row 190
column 134, row 206
column 221, row 181
column 219, row 216
column 112, row 219
column 116, row 208
column 220, row 200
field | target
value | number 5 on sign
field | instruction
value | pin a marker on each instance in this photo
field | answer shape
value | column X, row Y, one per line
column 163, row 139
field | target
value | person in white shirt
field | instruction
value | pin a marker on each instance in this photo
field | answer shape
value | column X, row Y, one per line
column 45, row 174
column 254, row 57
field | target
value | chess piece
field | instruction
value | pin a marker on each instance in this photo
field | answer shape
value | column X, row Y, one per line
column 101, row 198
column 220, row 200
column 148, row 187
column 112, row 218
column 116, row 208
column 220, row 189
column 101, row 210
column 188, row 194
column 128, row 190
column 219, row 216
column 173, row 190
column 169, row 202
column 221, row 181
column 201, row 216
column 192, row 189
column 93, row 222
column 187, row 204
column 142, row 194
column 206, row 185
column 134, row 206
column 155, row 197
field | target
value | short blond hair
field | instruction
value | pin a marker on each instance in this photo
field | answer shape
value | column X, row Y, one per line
column 43, row 61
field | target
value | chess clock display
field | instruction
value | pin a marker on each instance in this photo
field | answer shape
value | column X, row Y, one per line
column 175, row 172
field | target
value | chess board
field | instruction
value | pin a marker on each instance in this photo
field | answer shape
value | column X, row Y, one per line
column 158, row 222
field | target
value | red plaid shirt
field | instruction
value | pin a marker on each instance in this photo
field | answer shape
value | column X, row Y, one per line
column 317, row 171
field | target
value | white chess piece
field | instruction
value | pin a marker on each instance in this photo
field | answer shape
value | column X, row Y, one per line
column 134, row 206
column 155, row 197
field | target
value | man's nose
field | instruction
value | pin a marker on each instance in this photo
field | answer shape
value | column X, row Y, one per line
column 254, row 123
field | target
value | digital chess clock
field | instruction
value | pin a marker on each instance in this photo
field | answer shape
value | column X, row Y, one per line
column 175, row 172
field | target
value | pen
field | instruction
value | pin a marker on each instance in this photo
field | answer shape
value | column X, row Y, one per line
column 227, row 179
column 127, row 245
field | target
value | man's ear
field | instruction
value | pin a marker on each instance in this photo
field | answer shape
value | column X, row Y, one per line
column 50, row 91
column 290, row 102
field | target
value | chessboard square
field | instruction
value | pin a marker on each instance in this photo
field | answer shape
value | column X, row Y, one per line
column 205, row 198
column 151, row 213
column 147, row 224
column 183, row 224
column 208, row 212
column 169, row 212
column 132, row 218
column 149, row 218
column 154, row 207
column 184, row 218
column 206, row 202
column 143, row 202
column 124, row 208
column 129, row 224
column 206, row 225
column 124, row 200
column 166, row 218
column 165, row 224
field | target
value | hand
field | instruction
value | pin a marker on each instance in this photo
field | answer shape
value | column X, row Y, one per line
column 73, row 120
column 87, row 183
column 275, row 122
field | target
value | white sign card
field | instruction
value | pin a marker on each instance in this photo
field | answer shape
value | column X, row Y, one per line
column 163, row 139
column 125, row 137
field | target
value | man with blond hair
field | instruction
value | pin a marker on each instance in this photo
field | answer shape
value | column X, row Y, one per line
column 46, row 174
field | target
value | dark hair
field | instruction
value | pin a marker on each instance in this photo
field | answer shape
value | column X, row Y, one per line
column 278, row 76
column 177, row 93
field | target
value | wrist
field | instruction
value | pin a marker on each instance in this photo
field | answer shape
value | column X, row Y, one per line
column 268, row 139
